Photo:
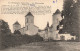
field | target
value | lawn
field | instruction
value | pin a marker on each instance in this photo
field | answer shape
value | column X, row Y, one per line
column 47, row 46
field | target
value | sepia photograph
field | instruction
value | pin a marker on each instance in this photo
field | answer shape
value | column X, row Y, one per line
column 39, row 25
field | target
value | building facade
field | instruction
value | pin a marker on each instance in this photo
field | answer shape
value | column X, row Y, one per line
column 29, row 28
column 49, row 32
column 52, row 32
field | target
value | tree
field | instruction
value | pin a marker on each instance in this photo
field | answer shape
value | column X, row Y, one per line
column 17, row 32
column 71, row 11
column 4, row 27
column 67, row 12
column 36, row 38
column 4, row 32
column 70, row 20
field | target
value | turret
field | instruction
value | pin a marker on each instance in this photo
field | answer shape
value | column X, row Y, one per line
column 16, row 26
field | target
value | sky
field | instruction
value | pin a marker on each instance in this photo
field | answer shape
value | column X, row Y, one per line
column 39, row 20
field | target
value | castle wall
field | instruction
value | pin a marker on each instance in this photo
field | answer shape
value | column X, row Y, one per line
column 32, row 30
column 66, row 36
column 22, row 30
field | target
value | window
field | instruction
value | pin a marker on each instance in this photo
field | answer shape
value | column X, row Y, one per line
column 27, row 27
column 57, row 20
column 27, row 20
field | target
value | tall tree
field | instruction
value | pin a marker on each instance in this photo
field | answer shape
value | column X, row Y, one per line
column 71, row 11
column 67, row 12
column 4, row 31
column 4, row 27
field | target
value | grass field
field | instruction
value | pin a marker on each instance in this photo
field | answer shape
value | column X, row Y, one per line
column 70, row 46
column 47, row 46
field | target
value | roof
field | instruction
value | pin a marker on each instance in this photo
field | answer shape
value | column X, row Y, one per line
column 57, row 11
column 36, row 26
column 16, row 23
column 29, row 14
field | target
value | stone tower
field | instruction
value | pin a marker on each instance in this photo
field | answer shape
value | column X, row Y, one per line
column 30, row 28
column 29, row 20
column 16, row 26
column 56, row 17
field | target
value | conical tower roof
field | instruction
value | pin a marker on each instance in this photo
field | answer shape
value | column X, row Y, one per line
column 57, row 11
column 29, row 14
column 16, row 23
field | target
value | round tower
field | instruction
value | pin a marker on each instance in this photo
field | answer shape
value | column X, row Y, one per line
column 56, row 18
column 16, row 26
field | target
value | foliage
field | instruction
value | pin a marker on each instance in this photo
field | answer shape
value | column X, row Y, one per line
column 4, row 31
column 17, row 32
column 7, row 39
column 71, row 17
